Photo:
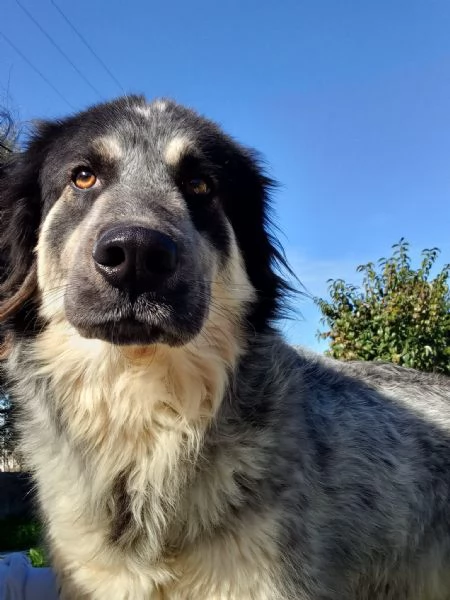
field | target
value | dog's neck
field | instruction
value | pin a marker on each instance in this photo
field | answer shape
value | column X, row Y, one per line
column 133, row 466
column 134, row 416
column 109, row 395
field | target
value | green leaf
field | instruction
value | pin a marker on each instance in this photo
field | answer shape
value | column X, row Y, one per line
column 37, row 557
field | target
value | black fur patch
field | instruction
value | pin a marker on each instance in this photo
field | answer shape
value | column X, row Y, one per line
column 123, row 529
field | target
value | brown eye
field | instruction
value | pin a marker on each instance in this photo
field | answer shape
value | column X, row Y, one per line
column 197, row 187
column 84, row 179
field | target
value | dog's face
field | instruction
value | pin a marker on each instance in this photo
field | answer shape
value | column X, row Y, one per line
column 144, row 218
column 133, row 229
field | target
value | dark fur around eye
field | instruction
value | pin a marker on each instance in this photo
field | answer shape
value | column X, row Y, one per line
column 192, row 171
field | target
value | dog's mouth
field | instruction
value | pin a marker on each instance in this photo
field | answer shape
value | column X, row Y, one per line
column 144, row 321
column 128, row 331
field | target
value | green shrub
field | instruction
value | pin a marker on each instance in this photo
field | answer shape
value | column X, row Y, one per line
column 398, row 314
column 19, row 533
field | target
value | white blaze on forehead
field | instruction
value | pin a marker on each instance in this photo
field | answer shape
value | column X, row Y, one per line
column 145, row 111
column 160, row 105
column 176, row 148
column 149, row 109
column 109, row 147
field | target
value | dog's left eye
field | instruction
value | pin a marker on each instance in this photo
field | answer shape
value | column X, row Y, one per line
column 197, row 186
column 84, row 179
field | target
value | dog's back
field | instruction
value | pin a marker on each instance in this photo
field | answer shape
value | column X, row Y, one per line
column 362, row 467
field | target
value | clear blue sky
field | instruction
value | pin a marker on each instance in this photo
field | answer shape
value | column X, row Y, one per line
column 349, row 101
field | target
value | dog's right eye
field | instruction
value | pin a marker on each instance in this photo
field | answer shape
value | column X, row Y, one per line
column 197, row 186
column 83, row 179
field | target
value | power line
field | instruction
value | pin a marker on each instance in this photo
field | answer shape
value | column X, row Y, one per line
column 30, row 64
column 88, row 46
column 59, row 49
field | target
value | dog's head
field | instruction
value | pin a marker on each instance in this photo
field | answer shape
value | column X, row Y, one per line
column 134, row 222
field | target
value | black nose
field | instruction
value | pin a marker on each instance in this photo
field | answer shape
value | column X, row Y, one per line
column 135, row 258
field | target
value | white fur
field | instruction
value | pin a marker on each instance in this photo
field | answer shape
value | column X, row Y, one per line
column 109, row 147
column 175, row 149
column 142, row 411
column 149, row 110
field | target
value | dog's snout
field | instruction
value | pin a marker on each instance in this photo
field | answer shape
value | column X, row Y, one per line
column 135, row 258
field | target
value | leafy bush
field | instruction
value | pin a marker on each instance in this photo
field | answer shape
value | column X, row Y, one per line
column 18, row 534
column 398, row 314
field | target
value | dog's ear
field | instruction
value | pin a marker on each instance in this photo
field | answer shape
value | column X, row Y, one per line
column 20, row 216
column 248, row 206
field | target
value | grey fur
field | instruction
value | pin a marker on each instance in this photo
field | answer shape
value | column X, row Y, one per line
column 350, row 461
column 356, row 464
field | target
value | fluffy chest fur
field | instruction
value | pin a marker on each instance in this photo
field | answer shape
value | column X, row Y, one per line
column 132, row 483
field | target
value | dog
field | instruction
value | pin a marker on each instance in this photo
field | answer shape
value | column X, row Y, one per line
column 181, row 449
